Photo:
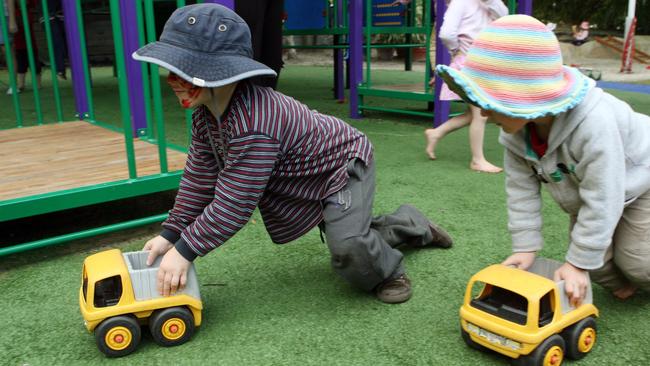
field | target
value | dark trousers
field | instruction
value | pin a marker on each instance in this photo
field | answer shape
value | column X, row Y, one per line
column 22, row 61
column 58, row 39
column 362, row 247
column 264, row 18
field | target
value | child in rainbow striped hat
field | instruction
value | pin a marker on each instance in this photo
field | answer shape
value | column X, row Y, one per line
column 590, row 150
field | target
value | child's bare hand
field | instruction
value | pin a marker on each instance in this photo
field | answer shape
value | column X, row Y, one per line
column 172, row 274
column 522, row 260
column 157, row 246
column 575, row 282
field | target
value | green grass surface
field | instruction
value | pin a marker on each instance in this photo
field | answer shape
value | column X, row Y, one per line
column 282, row 305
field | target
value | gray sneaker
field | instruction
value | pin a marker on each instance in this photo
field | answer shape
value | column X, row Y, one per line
column 395, row 291
column 10, row 91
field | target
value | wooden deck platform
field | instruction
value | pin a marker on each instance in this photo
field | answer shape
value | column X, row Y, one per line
column 53, row 157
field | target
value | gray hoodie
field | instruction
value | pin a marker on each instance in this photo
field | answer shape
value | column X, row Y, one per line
column 597, row 161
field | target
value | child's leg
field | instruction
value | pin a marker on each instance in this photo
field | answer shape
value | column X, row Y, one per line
column 409, row 226
column 476, row 134
column 609, row 275
column 433, row 135
column 631, row 243
column 21, row 67
column 359, row 253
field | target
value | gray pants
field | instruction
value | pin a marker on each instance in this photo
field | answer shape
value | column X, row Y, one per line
column 362, row 247
column 627, row 260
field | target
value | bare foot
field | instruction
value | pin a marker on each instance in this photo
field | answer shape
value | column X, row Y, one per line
column 432, row 139
column 485, row 167
column 625, row 292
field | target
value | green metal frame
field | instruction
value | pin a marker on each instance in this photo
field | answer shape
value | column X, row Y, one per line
column 366, row 88
column 331, row 25
column 135, row 185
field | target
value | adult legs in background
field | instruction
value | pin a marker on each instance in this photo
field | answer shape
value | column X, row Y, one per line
column 22, row 65
column 264, row 18
column 476, row 133
column 60, row 49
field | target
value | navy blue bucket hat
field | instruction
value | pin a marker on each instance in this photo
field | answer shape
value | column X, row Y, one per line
column 208, row 45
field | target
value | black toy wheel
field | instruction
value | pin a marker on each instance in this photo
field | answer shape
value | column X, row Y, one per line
column 580, row 338
column 118, row 336
column 468, row 340
column 548, row 353
column 172, row 326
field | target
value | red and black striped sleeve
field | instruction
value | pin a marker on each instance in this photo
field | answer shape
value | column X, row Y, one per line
column 239, row 186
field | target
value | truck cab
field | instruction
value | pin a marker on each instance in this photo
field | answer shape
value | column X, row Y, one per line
column 526, row 316
column 118, row 294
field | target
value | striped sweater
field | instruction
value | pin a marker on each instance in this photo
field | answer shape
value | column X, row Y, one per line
column 276, row 154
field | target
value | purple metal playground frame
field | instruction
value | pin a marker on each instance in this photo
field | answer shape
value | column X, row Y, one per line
column 75, row 57
column 441, row 108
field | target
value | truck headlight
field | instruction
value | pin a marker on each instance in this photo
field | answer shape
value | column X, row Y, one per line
column 494, row 338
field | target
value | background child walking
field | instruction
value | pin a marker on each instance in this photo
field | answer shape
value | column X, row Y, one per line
column 463, row 20
column 590, row 151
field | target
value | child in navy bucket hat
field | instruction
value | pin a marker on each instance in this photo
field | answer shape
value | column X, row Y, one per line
column 254, row 147
column 590, row 150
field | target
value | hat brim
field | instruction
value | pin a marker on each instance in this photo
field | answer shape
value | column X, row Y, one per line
column 199, row 68
column 470, row 92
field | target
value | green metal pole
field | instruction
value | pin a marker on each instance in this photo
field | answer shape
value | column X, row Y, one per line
column 143, row 67
column 81, row 234
column 155, row 88
column 10, row 67
column 121, row 77
column 50, row 50
column 32, row 61
column 188, row 113
column 512, row 6
column 84, row 60
column 327, row 13
column 427, row 37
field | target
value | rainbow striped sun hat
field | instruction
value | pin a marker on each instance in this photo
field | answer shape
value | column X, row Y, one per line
column 514, row 67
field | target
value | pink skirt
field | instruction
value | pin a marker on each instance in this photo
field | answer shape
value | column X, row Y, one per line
column 456, row 64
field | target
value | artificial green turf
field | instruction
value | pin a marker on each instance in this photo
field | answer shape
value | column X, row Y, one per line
column 282, row 305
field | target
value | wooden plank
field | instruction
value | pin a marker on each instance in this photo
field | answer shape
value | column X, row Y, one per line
column 42, row 159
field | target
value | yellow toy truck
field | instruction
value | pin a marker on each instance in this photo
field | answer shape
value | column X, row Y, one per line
column 118, row 294
column 526, row 316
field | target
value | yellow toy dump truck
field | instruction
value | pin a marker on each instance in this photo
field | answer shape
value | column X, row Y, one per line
column 526, row 316
column 118, row 294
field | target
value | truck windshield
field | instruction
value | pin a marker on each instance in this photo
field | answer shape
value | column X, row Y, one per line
column 84, row 282
column 500, row 302
column 108, row 291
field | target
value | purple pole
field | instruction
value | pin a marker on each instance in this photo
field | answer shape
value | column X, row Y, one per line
column 356, row 55
column 227, row 3
column 133, row 67
column 338, row 57
column 74, row 55
column 525, row 7
column 440, row 108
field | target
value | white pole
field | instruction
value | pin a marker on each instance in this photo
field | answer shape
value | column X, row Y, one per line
column 631, row 8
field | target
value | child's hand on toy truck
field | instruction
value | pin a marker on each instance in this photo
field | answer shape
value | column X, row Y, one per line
column 575, row 279
column 172, row 274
